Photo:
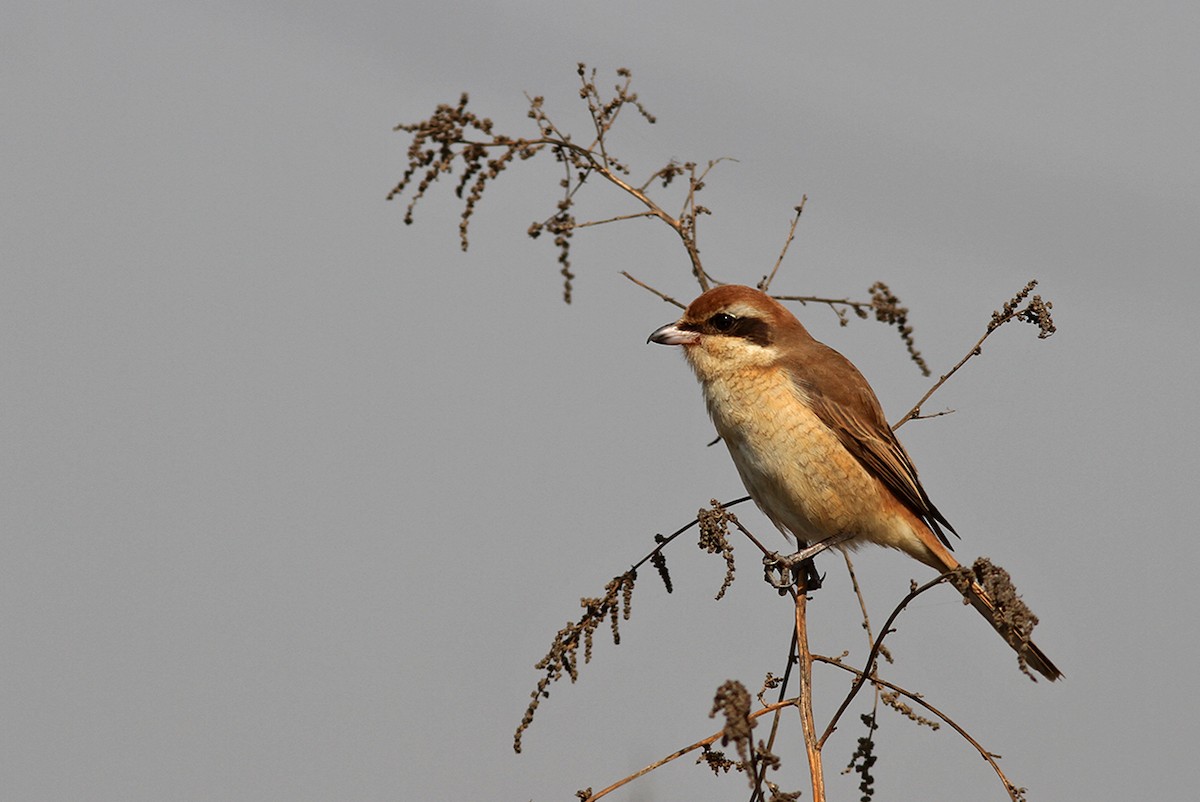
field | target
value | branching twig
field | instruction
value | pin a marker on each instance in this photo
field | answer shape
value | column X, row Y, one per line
column 869, row 668
column 453, row 135
column 617, row 219
column 792, row 659
column 766, row 280
column 885, row 307
column 1037, row 312
column 709, row 741
column 1015, row 794
column 616, row 604
column 862, row 603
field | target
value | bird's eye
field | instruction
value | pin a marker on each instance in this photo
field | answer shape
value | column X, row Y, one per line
column 722, row 321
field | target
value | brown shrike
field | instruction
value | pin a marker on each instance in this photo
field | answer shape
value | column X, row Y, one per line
column 809, row 438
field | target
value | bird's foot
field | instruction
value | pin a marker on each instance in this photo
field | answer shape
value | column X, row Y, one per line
column 784, row 571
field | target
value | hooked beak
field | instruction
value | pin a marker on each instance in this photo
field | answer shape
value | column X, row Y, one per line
column 671, row 334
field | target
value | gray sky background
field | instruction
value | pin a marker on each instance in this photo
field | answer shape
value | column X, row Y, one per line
column 295, row 495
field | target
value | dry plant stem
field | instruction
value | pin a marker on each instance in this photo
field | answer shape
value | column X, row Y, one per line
column 879, row 683
column 805, row 300
column 577, row 632
column 766, row 282
column 599, row 164
column 617, row 219
column 869, row 669
column 916, row 410
column 862, row 603
column 761, row 774
column 807, row 724
column 976, row 350
column 646, row 286
column 695, row 521
column 681, row 225
column 710, row 740
column 687, row 221
column 749, row 535
column 862, row 606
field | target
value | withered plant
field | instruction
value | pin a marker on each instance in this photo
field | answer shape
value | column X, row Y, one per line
column 456, row 144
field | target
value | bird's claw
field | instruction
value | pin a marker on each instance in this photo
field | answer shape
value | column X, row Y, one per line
column 783, row 571
column 778, row 570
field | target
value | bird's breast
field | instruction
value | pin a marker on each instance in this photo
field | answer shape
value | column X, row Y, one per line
column 791, row 462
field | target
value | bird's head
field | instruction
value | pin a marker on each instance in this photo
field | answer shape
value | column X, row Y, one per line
column 733, row 328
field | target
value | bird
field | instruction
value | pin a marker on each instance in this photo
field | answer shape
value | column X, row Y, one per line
column 810, row 441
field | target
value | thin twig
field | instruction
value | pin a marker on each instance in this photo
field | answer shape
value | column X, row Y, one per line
column 916, row 409
column 783, row 683
column 997, row 321
column 862, row 605
column 666, row 540
column 933, row 415
column 857, row 306
column 589, row 88
column 988, row 756
column 687, row 222
column 750, row 535
column 766, row 282
column 869, row 668
column 862, row 602
column 667, row 173
column 646, row 286
column 616, row 219
column 599, row 165
column 681, row 752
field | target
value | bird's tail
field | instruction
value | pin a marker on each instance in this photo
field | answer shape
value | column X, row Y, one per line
column 995, row 599
column 1013, row 621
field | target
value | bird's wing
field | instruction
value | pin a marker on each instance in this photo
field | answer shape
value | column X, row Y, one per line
column 844, row 402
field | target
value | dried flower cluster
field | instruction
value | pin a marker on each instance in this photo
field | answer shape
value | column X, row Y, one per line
column 563, row 657
column 1015, row 616
column 714, row 538
column 892, row 700
column 888, row 310
column 732, row 700
column 864, row 758
column 444, row 139
column 658, row 558
column 1036, row 312
column 884, row 306
column 455, row 138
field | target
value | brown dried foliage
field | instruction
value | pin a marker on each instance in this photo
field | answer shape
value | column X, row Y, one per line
column 888, row 310
column 884, row 306
column 443, row 140
column 658, row 558
column 456, row 138
column 1014, row 616
column 453, row 139
column 733, row 701
column 892, row 700
column 714, row 538
column 864, row 758
column 563, row 656
column 1036, row 312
